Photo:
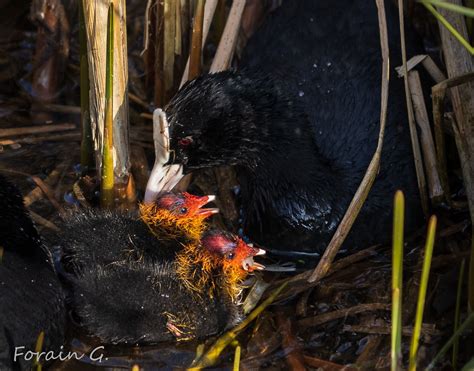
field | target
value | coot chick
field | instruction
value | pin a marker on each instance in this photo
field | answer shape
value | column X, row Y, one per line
column 300, row 123
column 109, row 236
column 31, row 298
column 140, row 300
column 196, row 263
column 173, row 216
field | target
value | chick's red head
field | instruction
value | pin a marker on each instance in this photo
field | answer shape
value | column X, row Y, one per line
column 177, row 215
column 232, row 251
column 186, row 205
column 220, row 261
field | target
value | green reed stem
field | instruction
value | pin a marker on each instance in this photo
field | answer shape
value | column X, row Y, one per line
column 397, row 280
column 425, row 273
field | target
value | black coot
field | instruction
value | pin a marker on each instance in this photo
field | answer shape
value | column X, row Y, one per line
column 300, row 122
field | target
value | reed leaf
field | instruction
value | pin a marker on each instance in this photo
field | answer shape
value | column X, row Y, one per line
column 397, row 280
column 449, row 27
column 425, row 273
column 468, row 12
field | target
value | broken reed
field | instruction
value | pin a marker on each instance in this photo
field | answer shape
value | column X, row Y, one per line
column 107, row 173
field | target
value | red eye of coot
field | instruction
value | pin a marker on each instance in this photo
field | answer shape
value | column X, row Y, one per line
column 186, row 141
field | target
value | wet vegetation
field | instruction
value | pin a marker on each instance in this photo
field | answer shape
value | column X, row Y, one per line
column 79, row 83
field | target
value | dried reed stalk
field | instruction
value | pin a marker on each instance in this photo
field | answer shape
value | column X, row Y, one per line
column 95, row 18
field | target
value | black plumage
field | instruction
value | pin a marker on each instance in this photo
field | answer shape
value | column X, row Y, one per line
column 31, row 297
column 300, row 123
column 125, row 287
column 140, row 302
column 156, row 232
column 104, row 237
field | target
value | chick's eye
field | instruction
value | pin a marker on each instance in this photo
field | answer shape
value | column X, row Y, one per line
column 183, row 210
column 186, row 141
column 230, row 256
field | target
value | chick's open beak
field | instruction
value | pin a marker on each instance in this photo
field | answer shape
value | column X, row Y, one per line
column 206, row 212
column 248, row 263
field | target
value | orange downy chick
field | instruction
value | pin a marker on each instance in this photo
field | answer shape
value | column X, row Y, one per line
column 173, row 216
column 220, row 260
